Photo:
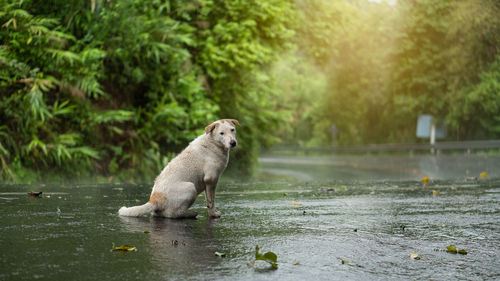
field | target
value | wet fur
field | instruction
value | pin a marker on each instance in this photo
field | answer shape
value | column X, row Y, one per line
column 196, row 169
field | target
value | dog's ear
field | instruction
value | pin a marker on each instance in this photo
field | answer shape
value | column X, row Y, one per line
column 234, row 121
column 211, row 127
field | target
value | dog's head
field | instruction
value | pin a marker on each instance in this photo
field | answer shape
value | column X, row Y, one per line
column 223, row 131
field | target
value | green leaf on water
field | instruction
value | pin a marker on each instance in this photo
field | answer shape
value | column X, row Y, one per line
column 451, row 249
column 123, row 248
column 268, row 257
column 219, row 254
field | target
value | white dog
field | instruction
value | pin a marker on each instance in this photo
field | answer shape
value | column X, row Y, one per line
column 197, row 168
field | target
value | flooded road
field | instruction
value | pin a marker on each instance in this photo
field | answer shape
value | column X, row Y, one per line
column 301, row 212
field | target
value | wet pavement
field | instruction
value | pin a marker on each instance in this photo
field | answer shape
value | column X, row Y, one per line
column 321, row 223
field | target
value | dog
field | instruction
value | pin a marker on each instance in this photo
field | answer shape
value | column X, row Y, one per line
column 197, row 168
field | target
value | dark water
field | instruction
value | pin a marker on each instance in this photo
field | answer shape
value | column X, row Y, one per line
column 374, row 225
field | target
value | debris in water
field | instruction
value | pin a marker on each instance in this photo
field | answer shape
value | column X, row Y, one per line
column 415, row 256
column 483, row 175
column 470, row 179
column 58, row 212
column 342, row 261
column 146, row 231
column 296, row 203
column 425, row 180
column 123, row 248
column 268, row 257
column 435, row 192
column 219, row 254
column 453, row 250
column 327, row 189
column 35, row 194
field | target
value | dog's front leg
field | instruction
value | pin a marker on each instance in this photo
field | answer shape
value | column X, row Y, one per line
column 210, row 186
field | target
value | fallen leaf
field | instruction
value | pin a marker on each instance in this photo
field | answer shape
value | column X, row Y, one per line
column 296, row 203
column 344, row 262
column 295, row 263
column 146, row 231
column 415, row 256
column 268, row 257
column 483, row 175
column 435, row 192
column 123, row 248
column 219, row 254
column 451, row 249
column 425, row 180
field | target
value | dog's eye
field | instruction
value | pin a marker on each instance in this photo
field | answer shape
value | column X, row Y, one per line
column 232, row 130
column 221, row 133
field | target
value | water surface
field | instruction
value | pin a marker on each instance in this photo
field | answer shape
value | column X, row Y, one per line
column 312, row 225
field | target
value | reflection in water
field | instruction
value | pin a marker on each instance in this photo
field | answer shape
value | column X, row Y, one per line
column 183, row 246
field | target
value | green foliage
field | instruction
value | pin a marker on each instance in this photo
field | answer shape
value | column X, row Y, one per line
column 302, row 87
column 117, row 88
column 386, row 64
column 243, row 38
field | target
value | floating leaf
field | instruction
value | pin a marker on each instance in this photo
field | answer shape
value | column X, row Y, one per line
column 296, row 203
column 435, row 192
column 123, row 248
column 415, row 256
column 483, row 175
column 451, row 249
column 425, row 180
column 269, row 257
column 344, row 261
column 146, row 231
column 219, row 254
column 295, row 263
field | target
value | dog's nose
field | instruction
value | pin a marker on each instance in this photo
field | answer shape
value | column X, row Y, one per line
column 233, row 143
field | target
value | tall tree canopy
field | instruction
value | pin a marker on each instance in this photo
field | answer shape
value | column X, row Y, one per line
column 117, row 88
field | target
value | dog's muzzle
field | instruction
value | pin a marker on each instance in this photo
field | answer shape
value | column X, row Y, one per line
column 232, row 143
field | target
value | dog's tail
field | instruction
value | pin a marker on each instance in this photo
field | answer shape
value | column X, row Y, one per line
column 137, row 211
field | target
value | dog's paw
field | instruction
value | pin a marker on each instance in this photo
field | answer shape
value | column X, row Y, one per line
column 215, row 214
